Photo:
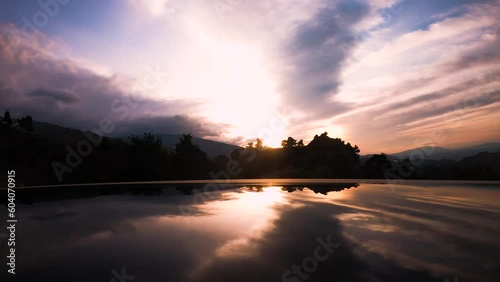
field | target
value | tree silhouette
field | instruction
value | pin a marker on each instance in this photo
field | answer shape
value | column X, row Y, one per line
column 148, row 141
column 147, row 156
column 185, row 145
column 258, row 144
column 332, row 156
column 289, row 143
column 235, row 154
column 190, row 161
column 377, row 165
column 26, row 123
column 7, row 119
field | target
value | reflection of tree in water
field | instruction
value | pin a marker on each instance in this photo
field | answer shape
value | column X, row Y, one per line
column 291, row 189
column 322, row 189
column 255, row 188
column 185, row 189
column 31, row 196
column 147, row 191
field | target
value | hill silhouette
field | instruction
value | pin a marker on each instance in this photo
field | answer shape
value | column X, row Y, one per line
column 439, row 153
column 73, row 136
column 44, row 154
column 212, row 148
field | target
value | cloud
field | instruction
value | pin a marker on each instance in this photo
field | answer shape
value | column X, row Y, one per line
column 59, row 95
column 173, row 124
column 406, row 89
column 34, row 81
column 382, row 72
column 473, row 89
column 158, row 10
column 314, row 56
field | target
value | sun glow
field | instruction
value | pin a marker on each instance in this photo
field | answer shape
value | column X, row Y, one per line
column 234, row 76
column 337, row 131
column 250, row 213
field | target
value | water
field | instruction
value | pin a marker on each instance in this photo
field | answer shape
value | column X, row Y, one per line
column 333, row 232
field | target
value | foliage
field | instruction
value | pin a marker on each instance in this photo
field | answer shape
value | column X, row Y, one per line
column 144, row 158
column 377, row 165
column 7, row 119
column 190, row 161
column 26, row 123
column 289, row 143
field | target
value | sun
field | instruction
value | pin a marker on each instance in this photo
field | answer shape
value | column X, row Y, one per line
column 238, row 88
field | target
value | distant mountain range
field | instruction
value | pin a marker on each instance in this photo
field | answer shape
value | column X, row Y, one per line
column 473, row 162
column 73, row 136
column 483, row 165
column 58, row 133
column 212, row 148
column 432, row 154
column 439, row 153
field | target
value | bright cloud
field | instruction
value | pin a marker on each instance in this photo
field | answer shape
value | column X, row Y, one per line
column 386, row 75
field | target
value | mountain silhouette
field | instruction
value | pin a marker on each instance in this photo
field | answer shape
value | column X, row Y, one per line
column 72, row 136
column 439, row 153
column 212, row 148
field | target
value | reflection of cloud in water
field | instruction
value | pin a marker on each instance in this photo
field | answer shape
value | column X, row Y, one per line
column 447, row 235
column 252, row 234
column 258, row 208
column 243, row 220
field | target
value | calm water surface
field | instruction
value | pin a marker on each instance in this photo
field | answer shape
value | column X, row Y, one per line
column 330, row 232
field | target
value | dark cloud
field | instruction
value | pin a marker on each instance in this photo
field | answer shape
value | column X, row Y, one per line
column 59, row 95
column 315, row 56
column 35, row 82
column 175, row 124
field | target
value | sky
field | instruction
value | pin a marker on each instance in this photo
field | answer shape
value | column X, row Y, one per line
column 386, row 75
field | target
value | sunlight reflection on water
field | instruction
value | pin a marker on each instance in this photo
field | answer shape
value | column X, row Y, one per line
column 250, row 232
